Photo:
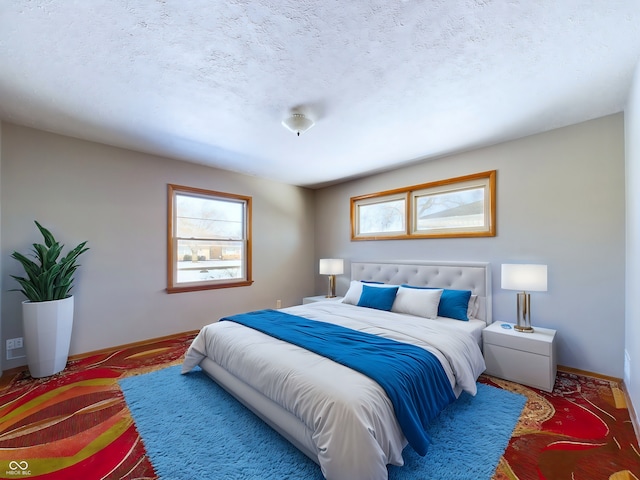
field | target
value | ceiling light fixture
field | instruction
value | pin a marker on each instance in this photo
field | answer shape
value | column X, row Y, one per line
column 298, row 123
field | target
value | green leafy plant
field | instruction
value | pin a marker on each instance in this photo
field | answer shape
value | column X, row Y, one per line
column 48, row 278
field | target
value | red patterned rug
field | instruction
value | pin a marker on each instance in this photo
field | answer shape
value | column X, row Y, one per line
column 77, row 425
column 582, row 430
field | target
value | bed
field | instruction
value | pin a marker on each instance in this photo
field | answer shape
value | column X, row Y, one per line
column 340, row 418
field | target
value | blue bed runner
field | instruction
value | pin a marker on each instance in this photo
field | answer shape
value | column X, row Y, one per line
column 413, row 378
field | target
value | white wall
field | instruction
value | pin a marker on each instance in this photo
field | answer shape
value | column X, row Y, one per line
column 560, row 202
column 117, row 200
column 632, row 320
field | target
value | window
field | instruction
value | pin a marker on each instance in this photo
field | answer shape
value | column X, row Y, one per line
column 381, row 216
column 457, row 207
column 460, row 208
column 209, row 240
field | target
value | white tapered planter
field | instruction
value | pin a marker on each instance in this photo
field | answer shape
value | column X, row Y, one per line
column 47, row 335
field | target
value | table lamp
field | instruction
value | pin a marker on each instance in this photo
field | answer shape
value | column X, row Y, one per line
column 331, row 267
column 524, row 277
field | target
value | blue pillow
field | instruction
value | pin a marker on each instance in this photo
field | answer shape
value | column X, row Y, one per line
column 453, row 303
column 377, row 297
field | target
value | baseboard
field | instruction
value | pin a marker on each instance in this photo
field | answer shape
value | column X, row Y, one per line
column 7, row 375
column 632, row 412
column 586, row 373
column 131, row 345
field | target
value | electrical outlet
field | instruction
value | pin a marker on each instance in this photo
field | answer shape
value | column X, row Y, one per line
column 278, row 303
column 13, row 343
column 14, row 348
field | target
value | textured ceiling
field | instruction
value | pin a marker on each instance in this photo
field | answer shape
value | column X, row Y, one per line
column 387, row 82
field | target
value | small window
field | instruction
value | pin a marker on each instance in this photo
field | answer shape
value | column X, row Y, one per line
column 456, row 207
column 209, row 240
column 381, row 216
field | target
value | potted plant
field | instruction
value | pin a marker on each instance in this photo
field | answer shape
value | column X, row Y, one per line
column 47, row 314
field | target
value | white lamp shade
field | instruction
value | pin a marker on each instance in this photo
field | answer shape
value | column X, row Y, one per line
column 524, row 277
column 331, row 266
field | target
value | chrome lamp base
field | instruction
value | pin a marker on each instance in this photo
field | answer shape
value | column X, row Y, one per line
column 523, row 322
column 332, row 287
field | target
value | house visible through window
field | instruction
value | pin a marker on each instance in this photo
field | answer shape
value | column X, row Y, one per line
column 209, row 241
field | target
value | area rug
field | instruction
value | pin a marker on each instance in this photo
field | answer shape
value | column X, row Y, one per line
column 191, row 428
column 580, row 431
column 76, row 424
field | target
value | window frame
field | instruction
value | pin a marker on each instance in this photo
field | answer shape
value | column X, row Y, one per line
column 373, row 199
column 485, row 180
column 172, row 241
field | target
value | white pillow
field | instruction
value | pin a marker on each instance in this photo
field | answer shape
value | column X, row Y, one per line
column 417, row 301
column 474, row 306
column 352, row 297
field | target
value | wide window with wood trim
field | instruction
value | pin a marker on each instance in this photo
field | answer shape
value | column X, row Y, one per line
column 209, row 239
column 455, row 207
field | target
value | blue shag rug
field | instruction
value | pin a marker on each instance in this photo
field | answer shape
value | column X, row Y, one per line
column 193, row 429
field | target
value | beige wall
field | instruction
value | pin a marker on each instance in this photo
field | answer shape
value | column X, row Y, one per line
column 116, row 199
column 560, row 202
column 632, row 322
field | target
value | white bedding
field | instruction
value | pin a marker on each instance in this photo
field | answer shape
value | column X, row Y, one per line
column 351, row 418
column 473, row 326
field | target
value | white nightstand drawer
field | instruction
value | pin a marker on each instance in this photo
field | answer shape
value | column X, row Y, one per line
column 540, row 341
column 522, row 367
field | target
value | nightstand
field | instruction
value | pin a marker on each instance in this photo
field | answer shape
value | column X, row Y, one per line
column 527, row 358
column 320, row 298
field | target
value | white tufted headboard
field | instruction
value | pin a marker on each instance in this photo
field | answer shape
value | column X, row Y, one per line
column 474, row 276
